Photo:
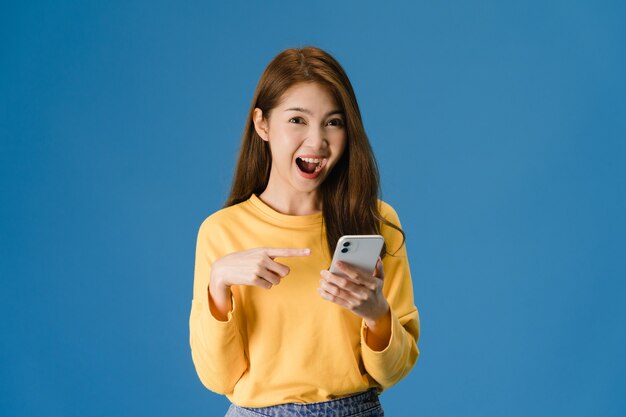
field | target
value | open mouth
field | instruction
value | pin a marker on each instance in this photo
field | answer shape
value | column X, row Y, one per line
column 310, row 165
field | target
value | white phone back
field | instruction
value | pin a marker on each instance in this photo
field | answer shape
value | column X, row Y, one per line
column 361, row 251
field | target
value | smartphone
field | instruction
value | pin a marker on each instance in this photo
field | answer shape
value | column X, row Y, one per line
column 361, row 251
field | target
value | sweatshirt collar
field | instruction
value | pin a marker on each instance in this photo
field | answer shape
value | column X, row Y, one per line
column 284, row 219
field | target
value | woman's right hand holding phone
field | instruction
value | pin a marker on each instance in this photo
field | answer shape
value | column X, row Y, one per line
column 254, row 267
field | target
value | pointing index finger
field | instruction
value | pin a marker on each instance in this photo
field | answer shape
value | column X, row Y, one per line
column 285, row 252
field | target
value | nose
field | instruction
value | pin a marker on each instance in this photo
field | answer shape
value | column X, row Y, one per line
column 317, row 137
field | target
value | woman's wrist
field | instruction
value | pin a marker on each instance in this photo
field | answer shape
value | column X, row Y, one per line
column 379, row 320
column 215, row 281
column 378, row 331
column 219, row 295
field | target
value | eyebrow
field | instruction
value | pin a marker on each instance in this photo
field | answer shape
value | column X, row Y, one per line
column 310, row 112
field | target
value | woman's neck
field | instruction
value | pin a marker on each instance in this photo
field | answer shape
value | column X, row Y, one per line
column 294, row 204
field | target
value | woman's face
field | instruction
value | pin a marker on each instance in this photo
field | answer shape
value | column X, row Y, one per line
column 307, row 136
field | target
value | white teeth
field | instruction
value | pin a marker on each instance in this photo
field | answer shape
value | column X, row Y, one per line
column 312, row 160
column 318, row 161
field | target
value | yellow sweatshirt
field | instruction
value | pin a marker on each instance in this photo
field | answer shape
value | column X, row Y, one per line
column 287, row 344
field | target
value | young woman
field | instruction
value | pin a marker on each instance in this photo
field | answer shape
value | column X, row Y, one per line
column 267, row 328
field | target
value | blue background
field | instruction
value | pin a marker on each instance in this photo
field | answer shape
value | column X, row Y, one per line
column 500, row 131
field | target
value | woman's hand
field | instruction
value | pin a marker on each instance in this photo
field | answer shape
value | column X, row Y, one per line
column 356, row 290
column 361, row 293
column 254, row 267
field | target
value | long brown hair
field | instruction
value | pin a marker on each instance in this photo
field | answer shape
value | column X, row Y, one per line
column 350, row 192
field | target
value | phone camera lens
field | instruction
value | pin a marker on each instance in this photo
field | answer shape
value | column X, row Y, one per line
column 346, row 244
column 344, row 250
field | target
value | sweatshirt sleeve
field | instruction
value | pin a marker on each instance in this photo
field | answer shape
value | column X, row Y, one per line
column 395, row 361
column 217, row 346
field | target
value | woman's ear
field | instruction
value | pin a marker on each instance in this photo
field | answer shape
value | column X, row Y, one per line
column 260, row 124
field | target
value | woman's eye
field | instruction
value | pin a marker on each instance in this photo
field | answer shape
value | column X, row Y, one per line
column 296, row 120
column 335, row 122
